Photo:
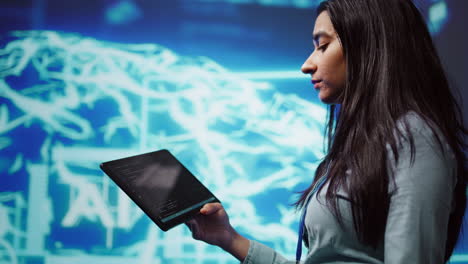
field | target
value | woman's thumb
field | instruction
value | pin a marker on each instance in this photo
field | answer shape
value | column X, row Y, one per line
column 211, row 208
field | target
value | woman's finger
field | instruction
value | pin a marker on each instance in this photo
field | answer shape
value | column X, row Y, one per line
column 193, row 226
column 189, row 224
column 211, row 208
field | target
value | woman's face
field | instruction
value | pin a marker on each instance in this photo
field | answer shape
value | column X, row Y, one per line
column 327, row 63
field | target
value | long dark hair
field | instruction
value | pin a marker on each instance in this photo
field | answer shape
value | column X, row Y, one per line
column 392, row 69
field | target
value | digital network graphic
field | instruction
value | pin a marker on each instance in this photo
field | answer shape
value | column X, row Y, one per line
column 88, row 101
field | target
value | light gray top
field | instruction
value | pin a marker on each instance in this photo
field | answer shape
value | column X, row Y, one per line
column 418, row 216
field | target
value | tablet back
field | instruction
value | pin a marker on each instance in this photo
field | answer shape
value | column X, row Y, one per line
column 161, row 186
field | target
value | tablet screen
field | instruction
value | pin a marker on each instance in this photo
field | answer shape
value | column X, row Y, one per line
column 160, row 185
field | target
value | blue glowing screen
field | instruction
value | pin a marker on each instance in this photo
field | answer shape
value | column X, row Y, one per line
column 217, row 82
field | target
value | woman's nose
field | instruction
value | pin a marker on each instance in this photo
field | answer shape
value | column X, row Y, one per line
column 309, row 67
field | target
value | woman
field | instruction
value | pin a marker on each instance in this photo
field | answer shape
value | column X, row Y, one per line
column 391, row 188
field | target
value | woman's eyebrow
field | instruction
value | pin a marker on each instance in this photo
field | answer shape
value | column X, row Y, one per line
column 321, row 33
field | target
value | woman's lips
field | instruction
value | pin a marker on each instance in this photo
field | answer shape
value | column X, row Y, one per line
column 316, row 83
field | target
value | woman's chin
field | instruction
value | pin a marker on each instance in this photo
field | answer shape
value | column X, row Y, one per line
column 328, row 99
column 324, row 98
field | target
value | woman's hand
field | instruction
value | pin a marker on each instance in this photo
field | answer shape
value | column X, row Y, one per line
column 212, row 226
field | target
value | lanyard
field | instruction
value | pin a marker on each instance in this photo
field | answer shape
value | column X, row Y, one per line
column 316, row 187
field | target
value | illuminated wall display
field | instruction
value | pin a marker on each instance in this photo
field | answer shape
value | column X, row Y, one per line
column 250, row 128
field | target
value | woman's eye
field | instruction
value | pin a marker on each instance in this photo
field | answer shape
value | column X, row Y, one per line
column 323, row 47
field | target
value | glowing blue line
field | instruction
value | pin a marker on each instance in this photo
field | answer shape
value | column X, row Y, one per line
column 459, row 258
column 290, row 3
column 271, row 75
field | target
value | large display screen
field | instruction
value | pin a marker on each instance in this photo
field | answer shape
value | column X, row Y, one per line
column 217, row 82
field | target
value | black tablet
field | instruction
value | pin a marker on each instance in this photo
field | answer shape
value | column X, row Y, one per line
column 161, row 186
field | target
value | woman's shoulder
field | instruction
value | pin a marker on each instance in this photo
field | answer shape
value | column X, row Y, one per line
column 417, row 135
column 421, row 132
column 414, row 123
column 418, row 127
